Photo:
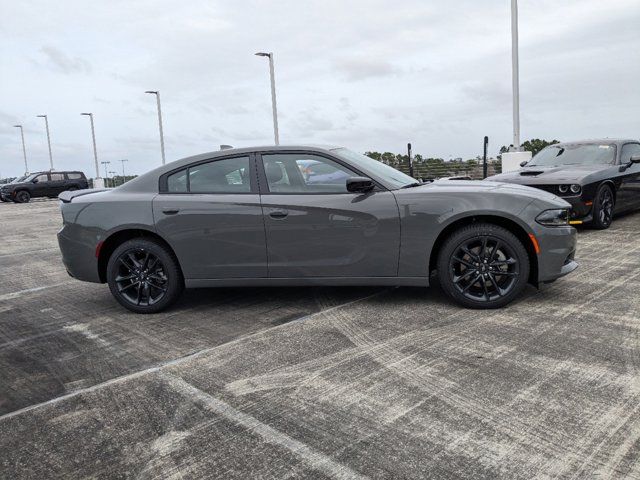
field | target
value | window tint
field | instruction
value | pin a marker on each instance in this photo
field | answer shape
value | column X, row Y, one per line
column 221, row 176
column 177, row 182
column 628, row 151
column 43, row 178
column 74, row 176
column 57, row 177
column 231, row 175
column 303, row 173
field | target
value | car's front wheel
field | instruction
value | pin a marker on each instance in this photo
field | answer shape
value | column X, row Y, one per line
column 22, row 197
column 144, row 276
column 483, row 266
column 603, row 208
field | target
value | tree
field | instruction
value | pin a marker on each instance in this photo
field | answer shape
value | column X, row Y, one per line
column 534, row 145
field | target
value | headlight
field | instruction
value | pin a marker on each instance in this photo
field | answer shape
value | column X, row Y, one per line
column 554, row 218
column 563, row 188
column 575, row 189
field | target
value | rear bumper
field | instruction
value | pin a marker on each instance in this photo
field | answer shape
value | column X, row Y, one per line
column 557, row 252
column 78, row 257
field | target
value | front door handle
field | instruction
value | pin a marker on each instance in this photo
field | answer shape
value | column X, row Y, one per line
column 170, row 211
column 278, row 214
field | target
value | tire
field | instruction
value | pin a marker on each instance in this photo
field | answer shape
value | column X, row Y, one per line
column 22, row 197
column 144, row 276
column 467, row 278
column 603, row 206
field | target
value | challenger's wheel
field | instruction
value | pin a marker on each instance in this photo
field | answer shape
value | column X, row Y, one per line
column 22, row 197
column 144, row 276
column 603, row 208
column 483, row 266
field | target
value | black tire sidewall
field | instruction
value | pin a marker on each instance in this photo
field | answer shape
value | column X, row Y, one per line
column 596, row 223
column 23, row 196
column 477, row 230
column 175, row 283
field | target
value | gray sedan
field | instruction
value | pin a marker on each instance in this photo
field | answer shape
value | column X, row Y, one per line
column 300, row 215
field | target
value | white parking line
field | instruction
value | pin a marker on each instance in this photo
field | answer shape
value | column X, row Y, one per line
column 19, row 293
column 315, row 459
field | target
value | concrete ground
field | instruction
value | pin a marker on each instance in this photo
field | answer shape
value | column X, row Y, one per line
column 317, row 382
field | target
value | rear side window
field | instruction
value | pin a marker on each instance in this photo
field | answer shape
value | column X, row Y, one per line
column 57, row 177
column 231, row 175
column 74, row 176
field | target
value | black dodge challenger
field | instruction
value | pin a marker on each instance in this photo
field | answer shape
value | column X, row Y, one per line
column 599, row 178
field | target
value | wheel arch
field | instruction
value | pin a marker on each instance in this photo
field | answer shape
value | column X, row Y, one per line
column 504, row 222
column 116, row 239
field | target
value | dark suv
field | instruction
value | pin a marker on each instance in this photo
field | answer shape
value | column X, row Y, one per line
column 42, row 184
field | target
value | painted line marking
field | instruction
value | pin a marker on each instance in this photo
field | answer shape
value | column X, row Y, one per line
column 317, row 460
column 19, row 293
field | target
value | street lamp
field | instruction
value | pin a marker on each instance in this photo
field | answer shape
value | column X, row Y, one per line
column 106, row 174
column 515, row 72
column 157, row 94
column 24, row 149
column 273, row 94
column 46, row 123
column 123, row 175
column 98, row 183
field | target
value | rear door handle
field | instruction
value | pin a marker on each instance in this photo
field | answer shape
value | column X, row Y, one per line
column 278, row 214
column 170, row 211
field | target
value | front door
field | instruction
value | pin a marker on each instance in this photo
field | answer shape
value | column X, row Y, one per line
column 40, row 186
column 210, row 214
column 629, row 192
column 316, row 228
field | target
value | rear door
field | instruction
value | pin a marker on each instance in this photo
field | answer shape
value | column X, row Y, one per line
column 57, row 184
column 629, row 192
column 210, row 213
column 316, row 228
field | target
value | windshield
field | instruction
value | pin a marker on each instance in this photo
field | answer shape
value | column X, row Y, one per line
column 389, row 174
column 579, row 154
column 18, row 179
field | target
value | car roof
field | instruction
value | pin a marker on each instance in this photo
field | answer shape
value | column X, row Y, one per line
column 600, row 141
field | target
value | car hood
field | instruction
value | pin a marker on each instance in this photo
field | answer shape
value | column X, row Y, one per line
column 549, row 175
column 10, row 186
column 486, row 187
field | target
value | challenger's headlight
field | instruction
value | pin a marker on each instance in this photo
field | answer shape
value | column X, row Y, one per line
column 563, row 188
column 554, row 218
column 575, row 189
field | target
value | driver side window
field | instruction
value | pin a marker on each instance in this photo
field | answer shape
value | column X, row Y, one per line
column 305, row 173
column 629, row 150
column 42, row 178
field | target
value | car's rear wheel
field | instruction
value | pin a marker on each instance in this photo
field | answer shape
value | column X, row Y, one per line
column 483, row 266
column 144, row 276
column 22, row 197
column 603, row 206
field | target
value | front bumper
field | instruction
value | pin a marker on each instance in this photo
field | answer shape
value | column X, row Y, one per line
column 557, row 252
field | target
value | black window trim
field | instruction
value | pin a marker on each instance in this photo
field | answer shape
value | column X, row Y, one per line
column 163, row 187
column 264, row 184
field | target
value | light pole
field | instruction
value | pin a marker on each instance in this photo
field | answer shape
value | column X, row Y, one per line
column 273, row 94
column 97, row 182
column 46, row 123
column 123, row 175
column 157, row 94
column 24, row 149
column 106, row 174
column 515, row 72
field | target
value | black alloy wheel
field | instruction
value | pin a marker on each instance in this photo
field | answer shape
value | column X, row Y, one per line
column 144, row 276
column 483, row 266
column 603, row 208
column 22, row 197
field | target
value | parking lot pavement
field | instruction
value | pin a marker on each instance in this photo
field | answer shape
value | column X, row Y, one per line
column 319, row 382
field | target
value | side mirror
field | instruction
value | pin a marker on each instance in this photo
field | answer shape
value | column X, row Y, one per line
column 35, row 180
column 522, row 164
column 632, row 160
column 635, row 159
column 360, row 184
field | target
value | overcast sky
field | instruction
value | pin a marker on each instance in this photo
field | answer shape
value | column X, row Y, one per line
column 368, row 74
